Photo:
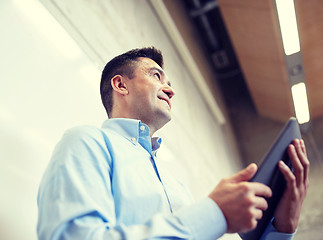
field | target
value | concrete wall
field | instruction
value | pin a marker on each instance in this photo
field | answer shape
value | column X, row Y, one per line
column 49, row 84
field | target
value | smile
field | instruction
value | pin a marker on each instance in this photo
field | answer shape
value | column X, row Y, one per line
column 167, row 101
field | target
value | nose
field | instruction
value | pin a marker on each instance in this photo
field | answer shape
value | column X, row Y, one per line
column 169, row 91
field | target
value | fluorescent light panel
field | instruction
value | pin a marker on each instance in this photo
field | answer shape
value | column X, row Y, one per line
column 288, row 26
column 300, row 103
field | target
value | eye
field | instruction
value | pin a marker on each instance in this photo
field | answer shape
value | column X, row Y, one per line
column 157, row 75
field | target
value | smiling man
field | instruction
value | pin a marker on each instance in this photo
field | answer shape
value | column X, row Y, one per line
column 106, row 183
column 145, row 95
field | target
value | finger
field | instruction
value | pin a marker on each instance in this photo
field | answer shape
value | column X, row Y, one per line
column 261, row 190
column 258, row 214
column 305, row 162
column 245, row 174
column 299, row 149
column 303, row 146
column 249, row 225
column 289, row 176
column 297, row 165
column 261, row 203
column 301, row 153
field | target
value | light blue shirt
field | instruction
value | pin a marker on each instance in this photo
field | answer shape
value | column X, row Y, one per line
column 107, row 184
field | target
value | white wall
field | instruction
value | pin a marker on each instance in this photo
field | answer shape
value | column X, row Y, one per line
column 45, row 88
column 48, row 85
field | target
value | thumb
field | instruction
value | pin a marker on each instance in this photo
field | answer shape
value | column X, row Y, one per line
column 245, row 174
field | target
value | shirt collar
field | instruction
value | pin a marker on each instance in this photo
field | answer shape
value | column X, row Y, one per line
column 134, row 130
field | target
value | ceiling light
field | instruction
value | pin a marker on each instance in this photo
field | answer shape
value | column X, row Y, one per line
column 300, row 103
column 288, row 26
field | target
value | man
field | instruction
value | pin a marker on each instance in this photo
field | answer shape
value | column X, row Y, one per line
column 106, row 183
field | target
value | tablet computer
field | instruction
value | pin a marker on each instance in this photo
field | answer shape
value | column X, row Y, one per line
column 269, row 174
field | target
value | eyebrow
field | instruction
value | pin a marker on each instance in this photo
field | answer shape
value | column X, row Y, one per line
column 157, row 69
column 161, row 72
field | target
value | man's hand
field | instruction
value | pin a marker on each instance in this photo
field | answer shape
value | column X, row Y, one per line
column 241, row 202
column 289, row 208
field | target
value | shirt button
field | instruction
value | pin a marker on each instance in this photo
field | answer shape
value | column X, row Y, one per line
column 133, row 139
column 142, row 128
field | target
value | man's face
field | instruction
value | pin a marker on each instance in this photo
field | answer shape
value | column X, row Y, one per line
column 150, row 94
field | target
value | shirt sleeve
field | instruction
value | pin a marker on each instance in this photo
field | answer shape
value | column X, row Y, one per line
column 272, row 234
column 205, row 219
column 76, row 201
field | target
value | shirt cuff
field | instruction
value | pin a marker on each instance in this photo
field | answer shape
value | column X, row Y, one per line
column 271, row 233
column 204, row 218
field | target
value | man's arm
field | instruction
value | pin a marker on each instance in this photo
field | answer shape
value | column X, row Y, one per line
column 76, row 200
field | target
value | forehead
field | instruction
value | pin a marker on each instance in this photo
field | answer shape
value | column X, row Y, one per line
column 147, row 63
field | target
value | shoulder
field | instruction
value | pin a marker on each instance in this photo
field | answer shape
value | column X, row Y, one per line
column 82, row 146
column 83, row 139
column 81, row 132
column 85, row 134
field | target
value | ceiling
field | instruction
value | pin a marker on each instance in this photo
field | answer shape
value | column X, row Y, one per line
column 245, row 36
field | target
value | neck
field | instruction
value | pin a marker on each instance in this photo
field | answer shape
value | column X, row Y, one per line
column 154, row 123
column 152, row 127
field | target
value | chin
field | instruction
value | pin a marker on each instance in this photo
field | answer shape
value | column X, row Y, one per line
column 167, row 117
column 161, row 120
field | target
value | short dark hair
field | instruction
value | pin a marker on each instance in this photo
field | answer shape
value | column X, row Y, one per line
column 125, row 65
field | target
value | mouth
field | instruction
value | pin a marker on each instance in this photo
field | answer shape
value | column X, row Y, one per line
column 166, row 100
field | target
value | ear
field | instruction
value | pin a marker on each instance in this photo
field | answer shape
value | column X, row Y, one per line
column 119, row 85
